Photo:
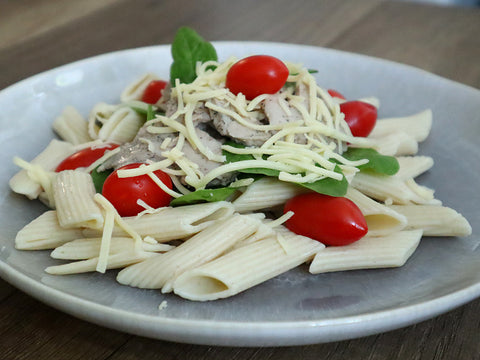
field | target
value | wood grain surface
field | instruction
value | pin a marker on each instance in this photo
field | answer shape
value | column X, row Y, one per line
column 39, row 35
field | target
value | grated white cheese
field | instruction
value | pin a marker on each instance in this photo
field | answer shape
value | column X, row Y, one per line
column 296, row 148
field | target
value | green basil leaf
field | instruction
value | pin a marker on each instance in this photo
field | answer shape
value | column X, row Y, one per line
column 329, row 186
column 144, row 112
column 204, row 195
column 326, row 186
column 262, row 171
column 187, row 49
column 231, row 157
column 377, row 162
column 150, row 113
column 99, row 178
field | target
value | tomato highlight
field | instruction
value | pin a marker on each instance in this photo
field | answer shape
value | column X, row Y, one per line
column 123, row 193
column 153, row 91
column 84, row 158
column 334, row 221
column 257, row 75
column 360, row 117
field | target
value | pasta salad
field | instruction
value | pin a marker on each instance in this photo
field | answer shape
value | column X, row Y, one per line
column 227, row 175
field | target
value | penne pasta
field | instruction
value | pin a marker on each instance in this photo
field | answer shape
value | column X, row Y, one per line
column 115, row 261
column 45, row 232
column 413, row 166
column 246, row 267
column 134, row 91
column 26, row 183
column 121, row 126
column 199, row 249
column 381, row 220
column 71, row 126
column 98, row 116
column 391, row 189
column 73, row 193
column 434, row 220
column 392, row 250
column 396, row 144
column 173, row 223
column 418, row 126
column 266, row 193
column 81, row 249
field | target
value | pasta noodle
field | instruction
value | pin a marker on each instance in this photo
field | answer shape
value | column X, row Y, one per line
column 73, row 193
column 71, row 126
column 45, row 232
column 173, row 223
column 246, row 267
column 381, row 220
column 25, row 183
column 434, row 220
column 368, row 253
column 201, row 248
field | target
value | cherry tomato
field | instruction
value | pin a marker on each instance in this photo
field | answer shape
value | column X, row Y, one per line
column 84, row 157
column 256, row 75
column 335, row 93
column 123, row 193
column 331, row 220
column 153, row 91
column 360, row 117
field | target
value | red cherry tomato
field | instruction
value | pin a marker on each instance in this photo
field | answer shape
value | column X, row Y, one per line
column 360, row 117
column 331, row 220
column 335, row 93
column 123, row 193
column 153, row 92
column 84, row 157
column 256, row 75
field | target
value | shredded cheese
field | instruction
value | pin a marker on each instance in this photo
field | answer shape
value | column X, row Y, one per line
column 304, row 148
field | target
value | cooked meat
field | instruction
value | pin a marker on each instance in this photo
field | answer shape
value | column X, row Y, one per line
column 229, row 127
column 212, row 129
column 146, row 147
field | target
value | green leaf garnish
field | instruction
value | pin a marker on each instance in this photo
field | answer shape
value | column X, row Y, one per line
column 188, row 48
column 204, row 195
column 377, row 162
column 150, row 113
column 329, row 186
column 99, row 178
column 145, row 112
column 326, row 186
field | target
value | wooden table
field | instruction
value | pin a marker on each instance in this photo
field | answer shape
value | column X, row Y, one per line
column 39, row 35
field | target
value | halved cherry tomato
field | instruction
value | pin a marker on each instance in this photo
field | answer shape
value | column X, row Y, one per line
column 123, row 193
column 331, row 220
column 153, row 91
column 256, row 75
column 360, row 117
column 335, row 93
column 84, row 157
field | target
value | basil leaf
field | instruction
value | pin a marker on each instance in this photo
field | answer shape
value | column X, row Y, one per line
column 150, row 113
column 231, row 157
column 99, row 178
column 144, row 112
column 326, row 186
column 204, row 195
column 329, row 186
column 377, row 162
column 262, row 171
column 187, row 49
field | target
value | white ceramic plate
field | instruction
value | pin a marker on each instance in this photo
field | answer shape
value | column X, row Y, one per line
column 294, row 308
